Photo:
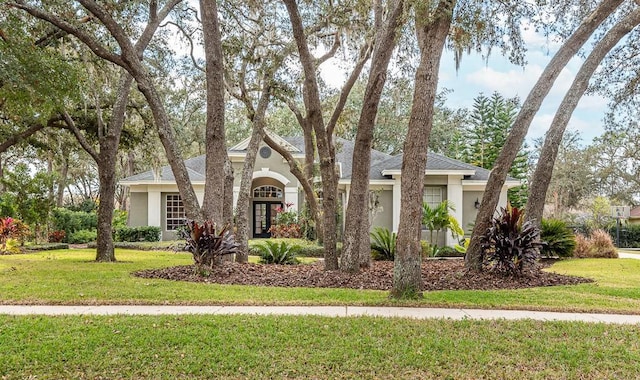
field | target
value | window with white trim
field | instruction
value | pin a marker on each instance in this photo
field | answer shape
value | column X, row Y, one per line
column 432, row 196
column 267, row 192
column 175, row 212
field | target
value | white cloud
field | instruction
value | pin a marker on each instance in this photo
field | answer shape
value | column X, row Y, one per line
column 539, row 125
column 591, row 102
column 537, row 42
column 509, row 83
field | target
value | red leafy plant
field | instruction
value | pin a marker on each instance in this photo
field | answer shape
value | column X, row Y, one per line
column 207, row 243
column 511, row 245
column 11, row 228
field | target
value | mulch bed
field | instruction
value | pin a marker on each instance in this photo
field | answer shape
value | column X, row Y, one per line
column 436, row 275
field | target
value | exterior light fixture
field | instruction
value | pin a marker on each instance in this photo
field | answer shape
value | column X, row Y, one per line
column 476, row 204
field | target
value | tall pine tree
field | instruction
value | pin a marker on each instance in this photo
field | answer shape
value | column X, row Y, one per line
column 489, row 124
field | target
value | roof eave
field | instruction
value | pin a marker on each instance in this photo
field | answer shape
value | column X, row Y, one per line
column 154, row 182
column 432, row 172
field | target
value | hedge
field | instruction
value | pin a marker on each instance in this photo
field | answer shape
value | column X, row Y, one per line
column 135, row 234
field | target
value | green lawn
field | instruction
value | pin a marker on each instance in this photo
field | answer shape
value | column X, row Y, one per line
column 265, row 347
column 274, row 347
column 71, row 277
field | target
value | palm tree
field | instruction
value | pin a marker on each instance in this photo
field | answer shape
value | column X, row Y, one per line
column 437, row 219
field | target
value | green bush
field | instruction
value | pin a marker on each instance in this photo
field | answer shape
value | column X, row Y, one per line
column 272, row 252
column 629, row 235
column 383, row 244
column 311, row 251
column 45, row 247
column 448, row 252
column 557, row 239
column 82, row 236
column 426, row 248
column 119, row 219
column 73, row 221
column 135, row 234
column 307, row 248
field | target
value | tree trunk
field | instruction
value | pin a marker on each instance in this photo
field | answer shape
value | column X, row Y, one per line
column 356, row 252
column 473, row 258
column 549, row 153
column 227, row 207
column 107, row 159
column 213, row 204
column 62, row 182
column 407, row 275
column 242, row 206
column 326, row 150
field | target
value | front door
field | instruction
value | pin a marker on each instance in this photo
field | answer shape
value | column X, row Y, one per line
column 264, row 215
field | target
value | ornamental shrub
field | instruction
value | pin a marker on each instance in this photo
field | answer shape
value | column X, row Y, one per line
column 557, row 239
column 383, row 244
column 136, row 234
column 82, row 237
column 583, row 246
column 510, row 245
column 447, row 251
column 598, row 245
column 286, row 224
column 272, row 252
column 207, row 243
column 11, row 229
column 72, row 221
column 57, row 236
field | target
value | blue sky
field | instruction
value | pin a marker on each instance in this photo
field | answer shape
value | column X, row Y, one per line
column 478, row 75
column 497, row 74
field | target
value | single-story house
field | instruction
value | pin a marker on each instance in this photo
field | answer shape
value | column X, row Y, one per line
column 634, row 215
column 155, row 200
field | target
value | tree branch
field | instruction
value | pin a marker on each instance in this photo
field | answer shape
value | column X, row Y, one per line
column 331, row 52
column 365, row 54
column 14, row 139
column 79, row 136
column 91, row 43
column 191, row 45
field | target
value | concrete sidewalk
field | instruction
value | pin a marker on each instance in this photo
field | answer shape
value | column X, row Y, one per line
column 626, row 255
column 330, row 311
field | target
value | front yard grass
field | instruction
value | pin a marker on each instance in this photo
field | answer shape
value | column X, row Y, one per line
column 71, row 277
column 264, row 347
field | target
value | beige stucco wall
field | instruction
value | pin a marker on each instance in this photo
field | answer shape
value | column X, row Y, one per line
column 469, row 211
column 138, row 209
column 274, row 163
column 432, row 180
column 384, row 218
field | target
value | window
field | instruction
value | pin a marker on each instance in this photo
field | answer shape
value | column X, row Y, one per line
column 432, row 196
column 267, row 192
column 175, row 212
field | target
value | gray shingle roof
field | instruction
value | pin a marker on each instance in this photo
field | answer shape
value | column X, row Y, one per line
column 344, row 152
column 195, row 167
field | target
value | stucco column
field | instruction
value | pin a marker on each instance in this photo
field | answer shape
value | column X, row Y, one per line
column 236, row 195
column 396, row 204
column 502, row 201
column 154, row 205
column 291, row 197
column 454, row 196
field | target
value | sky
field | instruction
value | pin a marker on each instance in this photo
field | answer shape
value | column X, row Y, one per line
column 477, row 75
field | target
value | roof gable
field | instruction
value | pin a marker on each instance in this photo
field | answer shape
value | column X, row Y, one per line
column 244, row 144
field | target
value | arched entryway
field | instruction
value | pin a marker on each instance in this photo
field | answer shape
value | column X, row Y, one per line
column 267, row 197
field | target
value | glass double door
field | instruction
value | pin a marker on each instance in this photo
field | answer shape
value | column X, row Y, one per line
column 264, row 215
